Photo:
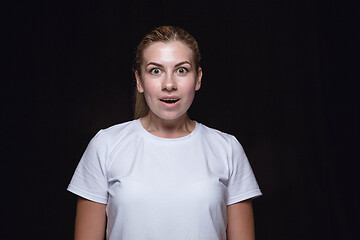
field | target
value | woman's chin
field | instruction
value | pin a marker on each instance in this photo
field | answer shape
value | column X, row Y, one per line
column 169, row 116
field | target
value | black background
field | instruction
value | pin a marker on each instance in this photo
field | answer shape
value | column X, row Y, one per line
column 279, row 75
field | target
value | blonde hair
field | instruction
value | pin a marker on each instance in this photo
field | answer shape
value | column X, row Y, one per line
column 160, row 34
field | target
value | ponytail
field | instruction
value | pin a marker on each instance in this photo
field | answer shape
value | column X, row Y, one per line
column 141, row 108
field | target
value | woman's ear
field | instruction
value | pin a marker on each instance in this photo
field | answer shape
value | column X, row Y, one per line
column 198, row 79
column 138, row 82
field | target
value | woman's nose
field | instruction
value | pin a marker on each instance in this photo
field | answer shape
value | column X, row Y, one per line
column 169, row 83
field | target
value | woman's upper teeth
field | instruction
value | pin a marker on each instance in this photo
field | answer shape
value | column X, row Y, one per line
column 169, row 100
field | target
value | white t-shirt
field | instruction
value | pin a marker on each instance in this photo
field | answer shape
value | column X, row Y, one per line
column 161, row 188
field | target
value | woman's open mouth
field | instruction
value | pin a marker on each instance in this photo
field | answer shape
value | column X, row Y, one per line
column 169, row 100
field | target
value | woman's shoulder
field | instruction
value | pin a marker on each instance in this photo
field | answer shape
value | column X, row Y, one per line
column 218, row 135
column 216, row 132
column 116, row 132
column 125, row 126
column 220, row 141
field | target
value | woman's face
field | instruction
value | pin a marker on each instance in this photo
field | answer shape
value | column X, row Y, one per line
column 168, row 79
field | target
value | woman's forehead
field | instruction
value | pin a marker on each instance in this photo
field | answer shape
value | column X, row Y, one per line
column 172, row 51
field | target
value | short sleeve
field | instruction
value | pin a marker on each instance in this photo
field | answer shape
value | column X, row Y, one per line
column 242, row 184
column 89, row 180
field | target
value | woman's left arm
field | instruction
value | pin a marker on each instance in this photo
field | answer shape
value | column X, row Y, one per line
column 240, row 221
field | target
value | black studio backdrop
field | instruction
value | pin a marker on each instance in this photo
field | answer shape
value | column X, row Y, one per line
column 279, row 75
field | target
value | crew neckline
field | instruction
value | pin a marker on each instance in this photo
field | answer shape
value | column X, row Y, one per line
column 196, row 129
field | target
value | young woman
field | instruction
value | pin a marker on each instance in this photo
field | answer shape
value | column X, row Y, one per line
column 163, row 175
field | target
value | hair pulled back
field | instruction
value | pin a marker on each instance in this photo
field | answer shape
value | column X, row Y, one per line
column 160, row 34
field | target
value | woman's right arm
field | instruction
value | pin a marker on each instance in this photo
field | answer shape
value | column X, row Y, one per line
column 90, row 220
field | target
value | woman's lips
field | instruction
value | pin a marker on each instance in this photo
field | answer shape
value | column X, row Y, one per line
column 169, row 100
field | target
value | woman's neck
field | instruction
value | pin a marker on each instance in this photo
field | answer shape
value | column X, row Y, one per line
column 176, row 128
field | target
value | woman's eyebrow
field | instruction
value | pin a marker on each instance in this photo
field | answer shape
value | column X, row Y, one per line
column 159, row 65
column 154, row 63
column 183, row 62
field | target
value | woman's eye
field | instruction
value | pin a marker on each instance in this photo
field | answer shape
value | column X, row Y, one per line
column 182, row 70
column 155, row 71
